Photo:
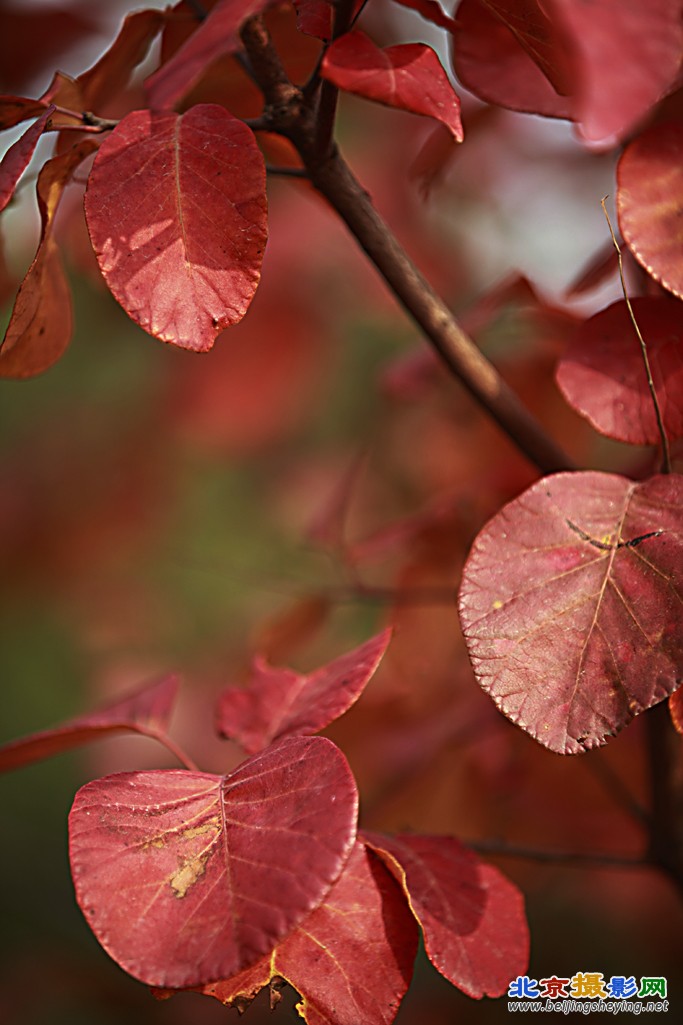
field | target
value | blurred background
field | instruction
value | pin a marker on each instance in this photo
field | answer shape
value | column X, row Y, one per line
column 314, row 478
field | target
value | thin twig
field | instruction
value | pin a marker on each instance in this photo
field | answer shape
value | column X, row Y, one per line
column 329, row 93
column 666, row 454
column 579, row 858
column 287, row 172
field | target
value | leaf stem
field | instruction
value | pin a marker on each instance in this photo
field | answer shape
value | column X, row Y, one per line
column 288, row 114
column 171, row 746
column 666, row 454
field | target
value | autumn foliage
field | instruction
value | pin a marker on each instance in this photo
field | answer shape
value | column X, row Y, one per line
column 198, row 166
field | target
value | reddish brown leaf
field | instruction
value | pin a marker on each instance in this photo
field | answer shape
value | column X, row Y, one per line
column 217, row 35
column 489, row 60
column 624, row 58
column 650, row 201
column 602, row 373
column 147, row 711
column 408, row 76
column 18, row 157
column 472, row 917
column 15, row 109
column 40, row 326
column 351, row 960
column 186, row 877
column 110, row 74
column 676, row 709
column 282, row 703
column 571, row 605
column 191, row 268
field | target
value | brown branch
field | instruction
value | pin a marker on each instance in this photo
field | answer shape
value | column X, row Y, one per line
column 329, row 93
column 288, row 114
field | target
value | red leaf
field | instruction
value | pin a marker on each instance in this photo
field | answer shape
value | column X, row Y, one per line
column 351, row 960
column 490, row 62
column 676, row 709
column 176, row 209
column 602, row 373
column 18, row 157
column 571, row 607
column 186, row 877
column 15, row 109
column 408, row 76
column 650, row 194
column 472, row 917
column 217, row 35
column 282, row 703
column 624, row 56
column 147, row 711
column 40, row 326
column 110, row 74
column 314, row 18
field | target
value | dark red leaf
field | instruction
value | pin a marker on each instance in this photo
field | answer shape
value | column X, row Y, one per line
column 34, row 36
column 282, row 703
column 147, row 711
column 490, row 61
column 186, row 877
column 217, row 35
column 190, row 267
column 602, row 373
column 351, row 960
column 40, row 326
column 314, row 18
column 624, row 58
column 571, row 605
column 649, row 201
column 18, row 157
column 408, row 76
column 472, row 917
column 15, row 109
column 110, row 74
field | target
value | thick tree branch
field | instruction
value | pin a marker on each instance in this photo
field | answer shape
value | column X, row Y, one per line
column 288, row 114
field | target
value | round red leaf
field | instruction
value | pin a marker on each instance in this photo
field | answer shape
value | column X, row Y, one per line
column 186, row 877
column 571, row 605
column 176, row 210
column 650, row 202
column 602, row 373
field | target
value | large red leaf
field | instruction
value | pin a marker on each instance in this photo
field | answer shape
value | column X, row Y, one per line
column 18, row 156
column 472, row 917
column 281, row 703
column 650, row 201
column 624, row 55
column 40, row 326
column 176, row 209
column 602, row 373
column 186, row 877
column 490, row 61
column 571, row 605
column 147, row 711
column 408, row 76
column 351, row 960
column 217, row 35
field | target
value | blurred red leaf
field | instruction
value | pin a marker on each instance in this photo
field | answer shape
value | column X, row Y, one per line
column 15, row 109
column 147, row 710
column 624, row 58
column 408, row 76
column 490, row 62
column 570, row 604
column 314, row 18
column 217, row 35
column 602, row 373
column 186, row 877
column 193, row 269
column 676, row 709
column 650, row 193
column 32, row 37
column 472, row 917
column 599, row 268
column 40, row 326
column 351, row 960
column 18, row 157
column 110, row 74
column 281, row 703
